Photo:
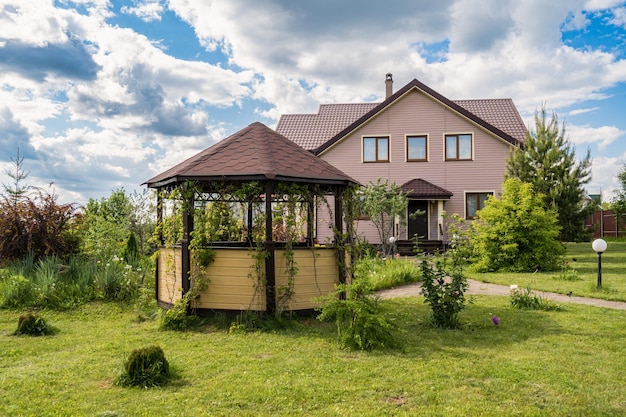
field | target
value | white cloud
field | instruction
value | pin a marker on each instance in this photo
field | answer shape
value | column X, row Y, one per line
column 576, row 112
column 148, row 10
column 603, row 136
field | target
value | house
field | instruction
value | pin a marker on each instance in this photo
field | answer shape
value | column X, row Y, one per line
column 448, row 156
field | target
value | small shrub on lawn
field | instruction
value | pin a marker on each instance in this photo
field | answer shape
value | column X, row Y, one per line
column 177, row 318
column 145, row 367
column 444, row 290
column 360, row 322
column 525, row 299
column 33, row 325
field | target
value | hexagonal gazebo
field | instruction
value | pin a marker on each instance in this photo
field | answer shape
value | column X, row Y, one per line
column 254, row 167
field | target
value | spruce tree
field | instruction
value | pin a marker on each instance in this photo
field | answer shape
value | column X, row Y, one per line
column 548, row 162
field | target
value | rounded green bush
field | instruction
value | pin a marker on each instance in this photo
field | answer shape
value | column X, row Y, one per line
column 145, row 367
column 33, row 325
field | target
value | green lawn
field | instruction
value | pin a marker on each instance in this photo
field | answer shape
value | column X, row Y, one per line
column 566, row 363
column 581, row 258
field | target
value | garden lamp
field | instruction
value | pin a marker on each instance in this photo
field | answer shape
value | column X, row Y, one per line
column 599, row 245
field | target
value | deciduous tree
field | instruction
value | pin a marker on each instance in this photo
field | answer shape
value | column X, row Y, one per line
column 516, row 232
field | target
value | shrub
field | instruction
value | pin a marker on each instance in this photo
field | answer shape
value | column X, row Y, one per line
column 33, row 325
column 527, row 300
column 39, row 226
column 358, row 317
column 516, row 232
column 145, row 367
column 444, row 290
column 18, row 291
column 177, row 317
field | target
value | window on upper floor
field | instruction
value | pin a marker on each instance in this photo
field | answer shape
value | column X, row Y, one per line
column 458, row 147
column 417, row 148
column 376, row 149
column 475, row 202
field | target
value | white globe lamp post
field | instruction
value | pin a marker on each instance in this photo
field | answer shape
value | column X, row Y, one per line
column 599, row 246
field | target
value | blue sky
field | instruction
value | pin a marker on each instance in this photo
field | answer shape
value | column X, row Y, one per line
column 100, row 94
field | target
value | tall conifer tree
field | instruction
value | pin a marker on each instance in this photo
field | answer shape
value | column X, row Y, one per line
column 547, row 161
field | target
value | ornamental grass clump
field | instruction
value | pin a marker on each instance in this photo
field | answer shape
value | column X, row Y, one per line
column 526, row 299
column 145, row 367
column 360, row 322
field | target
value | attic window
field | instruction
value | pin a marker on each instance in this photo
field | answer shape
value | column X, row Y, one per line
column 376, row 149
column 459, row 147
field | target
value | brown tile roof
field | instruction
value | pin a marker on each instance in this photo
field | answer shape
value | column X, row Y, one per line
column 312, row 130
column 253, row 153
column 334, row 121
column 500, row 113
column 424, row 189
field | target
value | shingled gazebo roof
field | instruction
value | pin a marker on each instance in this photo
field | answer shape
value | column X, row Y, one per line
column 253, row 153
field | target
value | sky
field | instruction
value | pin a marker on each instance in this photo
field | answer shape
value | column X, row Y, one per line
column 98, row 95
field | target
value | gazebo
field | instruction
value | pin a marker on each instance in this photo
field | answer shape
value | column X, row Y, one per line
column 255, row 167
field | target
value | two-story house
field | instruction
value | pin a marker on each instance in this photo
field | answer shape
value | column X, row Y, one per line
column 448, row 156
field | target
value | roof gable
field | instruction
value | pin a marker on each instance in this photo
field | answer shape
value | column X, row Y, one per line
column 415, row 84
column 335, row 121
column 255, row 152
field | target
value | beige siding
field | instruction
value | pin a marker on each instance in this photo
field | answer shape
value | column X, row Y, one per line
column 170, row 283
column 417, row 113
column 316, row 276
column 232, row 282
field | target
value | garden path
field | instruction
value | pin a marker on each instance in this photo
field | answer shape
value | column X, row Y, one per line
column 483, row 288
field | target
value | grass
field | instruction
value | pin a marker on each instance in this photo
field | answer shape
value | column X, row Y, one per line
column 581, row 258
column 534, row 363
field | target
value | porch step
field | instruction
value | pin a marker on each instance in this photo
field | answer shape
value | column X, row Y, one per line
column 407, row 247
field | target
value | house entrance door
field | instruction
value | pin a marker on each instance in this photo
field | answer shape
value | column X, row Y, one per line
column 418, row 225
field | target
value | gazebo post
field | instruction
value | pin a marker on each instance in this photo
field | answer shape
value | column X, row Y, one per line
column 341, row 254
column 184, row 243
column 249, row 223
column 270, row 263
column 309, row 223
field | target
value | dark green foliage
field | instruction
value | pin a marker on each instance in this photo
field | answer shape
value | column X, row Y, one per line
column 33, row 325
column 131, row 251
column 361, row 325
column 145, row 367
column 548, row 162
column 516, row 233
column 443, row 288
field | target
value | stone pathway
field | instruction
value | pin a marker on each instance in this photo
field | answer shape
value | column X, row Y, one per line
column 483, row 288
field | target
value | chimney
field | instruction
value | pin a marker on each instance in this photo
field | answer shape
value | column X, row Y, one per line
column 388, row 85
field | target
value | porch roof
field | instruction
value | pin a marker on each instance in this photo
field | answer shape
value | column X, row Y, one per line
column 419, row 188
